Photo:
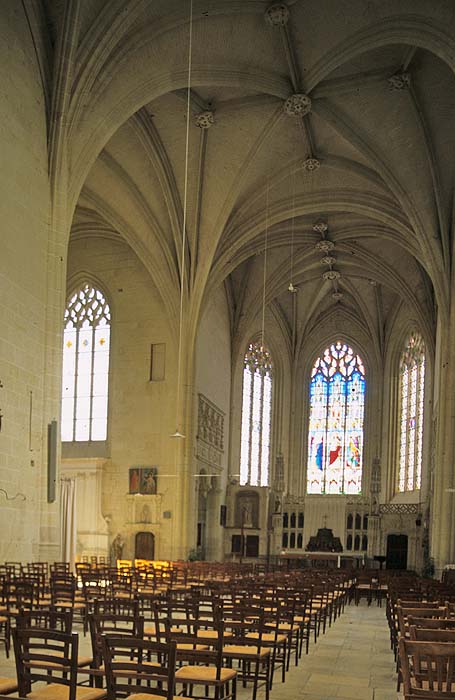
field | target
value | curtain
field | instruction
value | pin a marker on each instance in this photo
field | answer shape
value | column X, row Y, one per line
column 68, row 527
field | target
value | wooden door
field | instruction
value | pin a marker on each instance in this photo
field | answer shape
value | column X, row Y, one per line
column 397, row 552
column 144, row 546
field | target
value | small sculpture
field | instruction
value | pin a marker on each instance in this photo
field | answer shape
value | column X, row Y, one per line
column 117, row 548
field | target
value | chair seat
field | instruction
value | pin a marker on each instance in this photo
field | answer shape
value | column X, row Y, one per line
column 147, row 696
column 204, row 674
column 81, row 661
column 196, row 647
column 236, row 650
column 212, row 634
column 7, row 685
column 70, row 605
column 267, row 637
column 287, row 627
column 55, row 691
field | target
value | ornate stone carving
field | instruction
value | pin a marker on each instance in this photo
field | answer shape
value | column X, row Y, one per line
column 247, row 509
column 297, row 105
column 311, row 164
column 376, row 476
column 321, row 227
column 210, row 432
column 204, row 120
column 399, row 81
column 324, row 246
column 331, row 275
column 328, row 260
column 399, row 508
column 279, row 473
column 337, row 296
column 277, row 15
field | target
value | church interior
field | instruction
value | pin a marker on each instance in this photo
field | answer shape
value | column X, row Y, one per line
column 227, row 321
column 227, row 284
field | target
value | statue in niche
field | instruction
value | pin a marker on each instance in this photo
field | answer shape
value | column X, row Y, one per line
column 247, row 513
column 117, row 548
column 145, row 514
column 247, row 510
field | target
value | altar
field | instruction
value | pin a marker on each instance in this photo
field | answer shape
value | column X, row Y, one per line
column 322, row 560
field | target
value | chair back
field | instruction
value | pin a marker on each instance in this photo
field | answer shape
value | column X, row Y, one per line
column 47, row 656
column 46, row 619
column 138, row 666
column 112, row 625
column 428, row 669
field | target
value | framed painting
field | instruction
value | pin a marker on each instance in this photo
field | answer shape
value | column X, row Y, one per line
column 143, row 480
column 134, row 480
column 148, row 481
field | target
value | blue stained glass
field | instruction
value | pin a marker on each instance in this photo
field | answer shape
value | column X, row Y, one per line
column 335, row 441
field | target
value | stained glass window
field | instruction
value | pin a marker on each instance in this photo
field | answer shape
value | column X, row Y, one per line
column 412, row 380
column 256, row 416
column 86, row 341
column 335, row 439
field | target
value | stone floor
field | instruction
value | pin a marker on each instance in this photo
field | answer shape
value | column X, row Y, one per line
column 352, row 660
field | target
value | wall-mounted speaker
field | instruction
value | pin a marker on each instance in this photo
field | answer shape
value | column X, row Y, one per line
column 52, row 435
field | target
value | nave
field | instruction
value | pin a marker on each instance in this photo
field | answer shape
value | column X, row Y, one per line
column 352, row 660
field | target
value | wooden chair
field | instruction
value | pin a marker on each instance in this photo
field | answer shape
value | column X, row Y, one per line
column 112, row 625
column 59, row 620
column 428, row 669
column 247, row 650
column 50, row 657
column 422, row 634
column 136, row 668
column 204, row 663
column 431, row 623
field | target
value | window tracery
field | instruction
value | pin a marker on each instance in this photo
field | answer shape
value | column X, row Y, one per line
column 335, row 439
column 256, row 416
column 86, row 344
column 412, row 380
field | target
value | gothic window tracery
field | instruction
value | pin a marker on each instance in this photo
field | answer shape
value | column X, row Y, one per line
column 86, row 343
column 412, row 380
column 335, row 439
column 256, row 416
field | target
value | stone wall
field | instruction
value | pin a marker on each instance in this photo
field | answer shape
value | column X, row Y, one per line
column 24, row 270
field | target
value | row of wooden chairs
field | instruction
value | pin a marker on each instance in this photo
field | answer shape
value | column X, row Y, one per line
column 422, row 628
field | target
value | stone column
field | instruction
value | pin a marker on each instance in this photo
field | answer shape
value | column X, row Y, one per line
column 442, row 511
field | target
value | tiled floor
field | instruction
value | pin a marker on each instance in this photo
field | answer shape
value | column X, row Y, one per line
column 352, row 660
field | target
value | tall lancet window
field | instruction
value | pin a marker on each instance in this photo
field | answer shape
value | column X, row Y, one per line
column 256, row 416
column 86, row 341
column 335, row 439
column 412, row 380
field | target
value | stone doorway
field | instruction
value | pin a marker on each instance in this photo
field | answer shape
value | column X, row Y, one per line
column 397, row 552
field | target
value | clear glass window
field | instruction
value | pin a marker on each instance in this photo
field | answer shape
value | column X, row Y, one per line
column 86, row 343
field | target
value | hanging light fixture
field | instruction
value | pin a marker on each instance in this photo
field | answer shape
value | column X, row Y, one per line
column 292, row 288
column 262, row 360
column 178, row 433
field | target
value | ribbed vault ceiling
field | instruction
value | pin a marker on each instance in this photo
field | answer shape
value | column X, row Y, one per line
column 380, row 79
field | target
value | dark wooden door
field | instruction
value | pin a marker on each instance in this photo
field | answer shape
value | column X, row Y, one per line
column 144, row 546
column 397, row 552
